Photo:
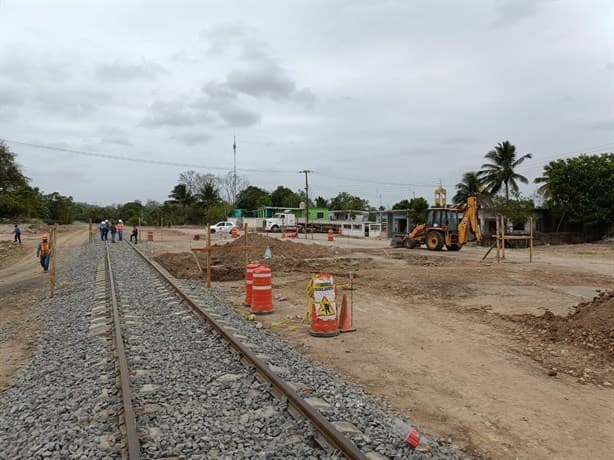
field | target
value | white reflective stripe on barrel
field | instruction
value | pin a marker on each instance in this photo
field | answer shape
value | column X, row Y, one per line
column 262, row 275
column 262, row 288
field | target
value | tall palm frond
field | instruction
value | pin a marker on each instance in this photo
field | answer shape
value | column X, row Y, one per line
column 500, row 172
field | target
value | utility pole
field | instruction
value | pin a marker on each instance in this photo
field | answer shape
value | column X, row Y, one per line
column 234, row 176
column 306, row 172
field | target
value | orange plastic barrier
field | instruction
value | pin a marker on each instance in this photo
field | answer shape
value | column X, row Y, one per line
column 322, row 295
column 234, row 232
column 291, row 235
column 262, row 291
column 331, row 235
column 196, row 236
column 149, row 236
column 345, row 316
column 249, row 280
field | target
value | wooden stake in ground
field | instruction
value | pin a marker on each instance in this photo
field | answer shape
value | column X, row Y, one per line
column 502, row 237
column 91, row 234
column 138, row 235
column 208, row 257
column 531, row 240
column 52, row 254
column 498, row 241
column 245, row 245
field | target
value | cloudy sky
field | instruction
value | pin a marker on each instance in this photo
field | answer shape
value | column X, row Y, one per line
column 381, row 98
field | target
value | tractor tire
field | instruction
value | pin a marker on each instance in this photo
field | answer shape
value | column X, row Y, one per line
column 396, row 242
column 410, row 243
column 453, row 247
column 275, row 229
column 434, row 241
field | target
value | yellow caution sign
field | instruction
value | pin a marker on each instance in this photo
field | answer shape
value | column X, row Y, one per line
column 326, row 308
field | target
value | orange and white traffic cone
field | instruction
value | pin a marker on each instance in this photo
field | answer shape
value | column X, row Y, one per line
column 345, row 316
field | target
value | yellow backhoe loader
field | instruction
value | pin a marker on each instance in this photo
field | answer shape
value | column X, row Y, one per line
column 447, row 227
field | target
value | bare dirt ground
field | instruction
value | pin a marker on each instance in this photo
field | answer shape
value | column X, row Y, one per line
column 23, row 286
column 465, row 349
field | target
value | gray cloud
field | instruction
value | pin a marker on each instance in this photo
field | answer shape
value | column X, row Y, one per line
column 220, row 37
column 259, row 74
column 193, row 138
column 18, row 66
column 112, row 135
column 509, row 12
column 458, row 140
column 604, row 125
column 224, row 102
column 121, row 71
column 73, row 101
column 173, row 113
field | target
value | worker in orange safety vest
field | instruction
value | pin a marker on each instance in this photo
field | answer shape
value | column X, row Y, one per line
column 44, row 252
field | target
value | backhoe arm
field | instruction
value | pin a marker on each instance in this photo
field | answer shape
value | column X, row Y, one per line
column 469, row 221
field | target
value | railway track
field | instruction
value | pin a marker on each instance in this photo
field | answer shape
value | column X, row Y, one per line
column 242, row 368
column 196, row 381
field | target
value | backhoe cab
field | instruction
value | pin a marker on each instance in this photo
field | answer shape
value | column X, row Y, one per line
column 447, row 227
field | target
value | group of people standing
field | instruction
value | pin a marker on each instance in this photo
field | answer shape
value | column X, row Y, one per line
column 108, row 226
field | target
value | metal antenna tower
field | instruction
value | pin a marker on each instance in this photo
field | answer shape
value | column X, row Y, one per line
column 234, row 176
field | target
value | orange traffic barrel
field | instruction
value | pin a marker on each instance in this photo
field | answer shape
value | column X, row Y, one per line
column 331, row 235
column 249, row 279
column 196, row 236
column 322, row 296
column 262, row 291
column 149, row 236
column 234, row 232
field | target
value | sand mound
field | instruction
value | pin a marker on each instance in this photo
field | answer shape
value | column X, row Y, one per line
column 229, row 265
column 590, row 326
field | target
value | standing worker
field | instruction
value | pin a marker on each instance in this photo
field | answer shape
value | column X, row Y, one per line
column 120, row 230
column 135, row 234
column 44, row 252
column 17, row 233
column 102, row 226
column 113, row 229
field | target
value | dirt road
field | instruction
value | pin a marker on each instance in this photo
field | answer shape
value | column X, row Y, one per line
column 23, row 286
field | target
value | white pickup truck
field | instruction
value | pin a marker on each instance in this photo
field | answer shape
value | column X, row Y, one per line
column 279, row 221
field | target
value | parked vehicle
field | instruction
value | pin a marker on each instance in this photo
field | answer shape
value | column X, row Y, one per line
column 222, row 227
column 279, row 221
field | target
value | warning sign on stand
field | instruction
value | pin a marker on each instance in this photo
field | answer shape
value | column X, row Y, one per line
column 326, row 308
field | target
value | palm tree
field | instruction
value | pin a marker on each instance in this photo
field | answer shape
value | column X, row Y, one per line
column 471, row 185
column 500, row 171
column 545, row 179
column 181, row 195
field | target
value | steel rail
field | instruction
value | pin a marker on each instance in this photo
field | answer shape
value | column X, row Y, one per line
column 132, row 439
column 332, row 436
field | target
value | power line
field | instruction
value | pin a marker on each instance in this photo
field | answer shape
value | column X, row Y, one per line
column 144, row 160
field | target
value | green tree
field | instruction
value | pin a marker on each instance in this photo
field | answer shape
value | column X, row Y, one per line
column 403, row 204
column 516, row 210
column 61, row 208
column 418, row 208
column 321, row 202
column 131, row 211
column 253, row 197
column 471, row 185
column 581, row 187
column 183, row 198
column 344, row 201
column 283, row 197
column 500, row 172
column 11, row 176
